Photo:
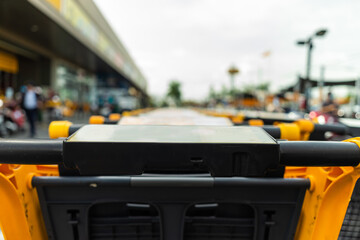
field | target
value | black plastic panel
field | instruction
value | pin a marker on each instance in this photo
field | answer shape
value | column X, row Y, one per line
column 133, row 150
column 79, row 208
column 220, row 220
column 350, row 229
column 125, row 221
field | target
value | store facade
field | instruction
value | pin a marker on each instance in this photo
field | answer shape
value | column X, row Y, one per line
column 74, row 83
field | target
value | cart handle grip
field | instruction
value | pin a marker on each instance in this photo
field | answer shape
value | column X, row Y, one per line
column 40, row 152
column 319, row 153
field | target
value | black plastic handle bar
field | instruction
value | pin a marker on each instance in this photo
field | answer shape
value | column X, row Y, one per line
column 74, row 127
column 275, row 132
column 318, row 153
column 292, row 153
column 335, row 128
column 40, row 152
column 270, row 120
column 108, row 121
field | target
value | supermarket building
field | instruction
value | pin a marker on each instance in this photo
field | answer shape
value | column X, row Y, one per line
column 68, row 46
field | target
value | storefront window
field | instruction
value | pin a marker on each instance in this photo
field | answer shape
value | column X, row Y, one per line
column 76, row 85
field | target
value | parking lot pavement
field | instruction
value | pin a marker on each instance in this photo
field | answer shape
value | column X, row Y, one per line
column 42, row 128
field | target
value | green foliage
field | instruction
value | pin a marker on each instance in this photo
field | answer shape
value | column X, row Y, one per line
column 212, row 93
column 249, row 89
column 174, row 92
column 224, row 91
column 235, row 93
column 263, row 86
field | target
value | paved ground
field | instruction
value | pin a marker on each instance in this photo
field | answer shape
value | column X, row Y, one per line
column 42, row 128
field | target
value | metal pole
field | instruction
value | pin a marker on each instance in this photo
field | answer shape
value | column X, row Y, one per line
column 307, row 83
column 232, row 83
column 321, row 84
column 357, row 91
column 297, row 91
column 308, row 65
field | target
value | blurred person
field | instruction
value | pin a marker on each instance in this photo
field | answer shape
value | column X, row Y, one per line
column 94, row 107
column 106, row 110
column 302, row 103
column 51, row 103
column 40, row 103
column 330, row 106
column 23, row 89
column 30, row 104
column 16, row 114
column 9, row 93
column 54, row 108
column 328, row 111
column 277, row 104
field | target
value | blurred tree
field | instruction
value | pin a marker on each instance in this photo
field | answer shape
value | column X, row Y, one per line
column 249, row 88
column 174, row 92
column 163, row 104
column 224, row 91
column 263, row 86
column 155, row 101
column 191, row 103
column 212, row 93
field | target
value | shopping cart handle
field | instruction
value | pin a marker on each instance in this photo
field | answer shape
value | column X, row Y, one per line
column 31, row 151
column 274, row 131
column 292, row 153
column 73, row 128
column 335, row 128
column 318, row 153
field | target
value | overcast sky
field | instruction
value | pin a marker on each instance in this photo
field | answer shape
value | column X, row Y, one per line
column 196, row 41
